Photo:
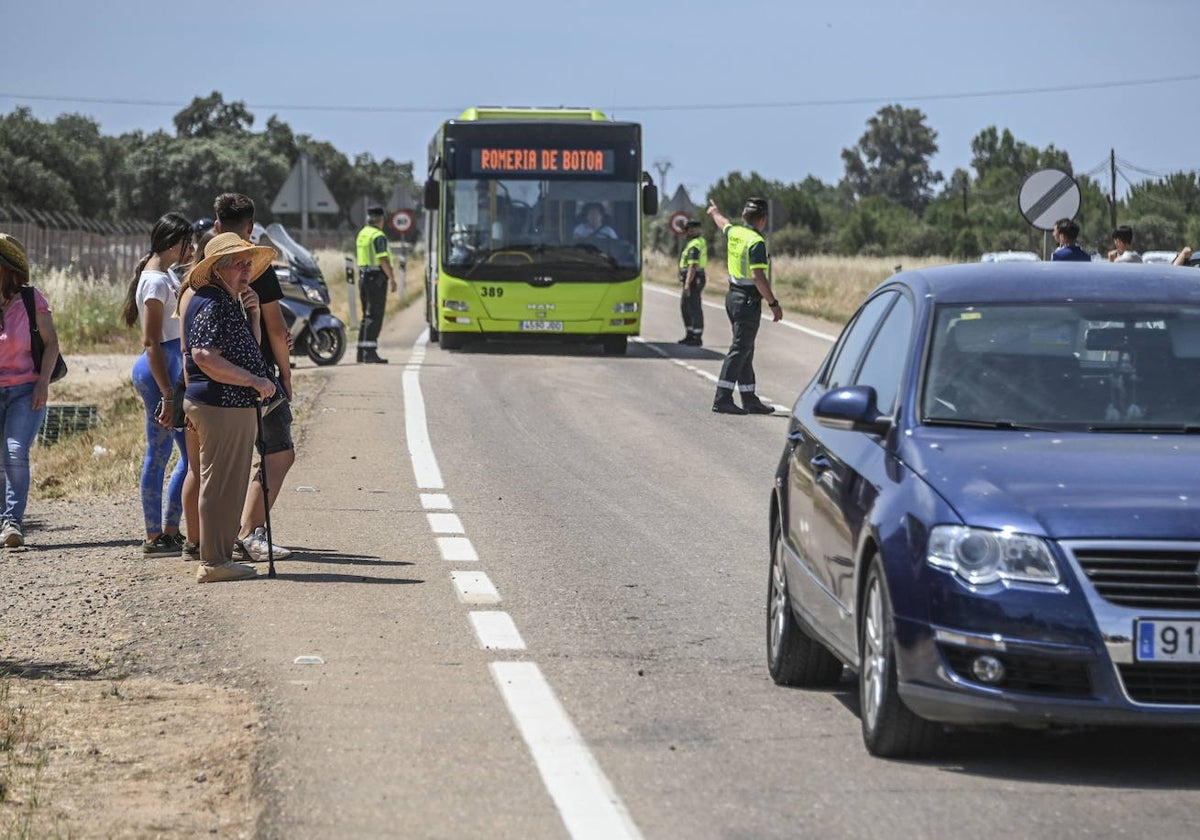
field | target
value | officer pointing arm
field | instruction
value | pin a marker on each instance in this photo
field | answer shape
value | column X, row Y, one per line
column 761, row 282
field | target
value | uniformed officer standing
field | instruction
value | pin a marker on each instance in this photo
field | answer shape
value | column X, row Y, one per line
column 691, row 273
column 374, row 277
column 746, row 257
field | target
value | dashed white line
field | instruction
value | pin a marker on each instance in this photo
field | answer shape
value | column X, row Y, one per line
column 444, row 523
column 424, row 464
column 590, row 808
column 496, row 630
column 436, row 501
column 474, row 588
column 457, row 549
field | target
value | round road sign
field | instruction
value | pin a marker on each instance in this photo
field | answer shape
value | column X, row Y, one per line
column 678, row 220
column 1047, row 196
column 402, row 221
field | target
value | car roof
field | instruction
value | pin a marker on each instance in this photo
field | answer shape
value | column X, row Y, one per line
column 1052, row 282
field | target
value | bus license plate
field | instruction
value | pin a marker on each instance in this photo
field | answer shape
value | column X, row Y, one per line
column 1167, row 641
column 541, row 326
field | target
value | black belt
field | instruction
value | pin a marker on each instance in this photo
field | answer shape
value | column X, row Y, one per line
column 749, row 289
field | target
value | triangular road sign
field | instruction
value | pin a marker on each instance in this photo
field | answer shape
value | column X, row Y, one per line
column 304, row 185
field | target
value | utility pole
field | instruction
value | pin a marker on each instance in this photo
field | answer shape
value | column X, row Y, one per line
column 1112, row 194
column 663, row 165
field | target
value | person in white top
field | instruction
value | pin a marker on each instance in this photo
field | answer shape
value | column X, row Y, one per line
column 593, row 226
column 1122, row 251
column 151, row 300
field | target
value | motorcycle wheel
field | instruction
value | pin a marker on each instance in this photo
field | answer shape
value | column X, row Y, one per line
column 327, row 346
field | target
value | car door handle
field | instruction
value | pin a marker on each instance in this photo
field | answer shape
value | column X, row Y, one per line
column 819, row 463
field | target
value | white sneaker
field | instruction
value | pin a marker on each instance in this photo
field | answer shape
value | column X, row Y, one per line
column 11, row 536
column 253, row 547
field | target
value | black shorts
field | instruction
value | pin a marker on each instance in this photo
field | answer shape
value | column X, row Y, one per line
column 277, row 429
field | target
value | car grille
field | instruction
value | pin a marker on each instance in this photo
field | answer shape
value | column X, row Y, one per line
column 1146, row 578
column 1027, row 674
column 1177, row 685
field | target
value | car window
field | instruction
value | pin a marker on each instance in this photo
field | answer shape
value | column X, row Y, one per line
column 854, row 339
column 884, row 363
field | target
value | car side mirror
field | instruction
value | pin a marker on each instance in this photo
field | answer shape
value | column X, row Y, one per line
column 852, row 409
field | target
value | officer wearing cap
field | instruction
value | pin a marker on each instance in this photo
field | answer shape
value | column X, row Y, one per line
column 691, row 273
column 374, row 277
column 749, row 286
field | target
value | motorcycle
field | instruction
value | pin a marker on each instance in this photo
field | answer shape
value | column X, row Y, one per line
column 316, row 332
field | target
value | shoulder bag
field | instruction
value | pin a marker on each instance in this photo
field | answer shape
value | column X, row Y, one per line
column 35, row 339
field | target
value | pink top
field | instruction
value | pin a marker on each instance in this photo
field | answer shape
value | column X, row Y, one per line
column 16, row 353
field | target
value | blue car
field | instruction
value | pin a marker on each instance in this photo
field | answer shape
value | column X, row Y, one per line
column 988, row 504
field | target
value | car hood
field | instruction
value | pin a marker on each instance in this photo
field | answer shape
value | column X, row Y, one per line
column 1064, row 486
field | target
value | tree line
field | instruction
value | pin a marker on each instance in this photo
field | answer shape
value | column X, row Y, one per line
column 889, row 201
column 68, row 165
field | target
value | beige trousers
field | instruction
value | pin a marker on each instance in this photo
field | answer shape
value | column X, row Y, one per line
column 226, row 449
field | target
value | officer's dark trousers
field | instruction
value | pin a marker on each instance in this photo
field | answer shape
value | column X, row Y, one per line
column 692, row 309
column 372, row 289
column 744, row 308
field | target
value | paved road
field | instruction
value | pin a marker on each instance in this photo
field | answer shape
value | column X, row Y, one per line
column 535, row 580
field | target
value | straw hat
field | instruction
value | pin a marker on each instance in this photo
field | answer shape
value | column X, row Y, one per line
column 227, row 245
column 12, row 255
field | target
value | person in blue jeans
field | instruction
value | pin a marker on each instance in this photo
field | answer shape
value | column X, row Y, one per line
column 151, row 300
column 23, row 390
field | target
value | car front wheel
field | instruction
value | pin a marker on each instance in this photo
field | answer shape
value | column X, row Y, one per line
column 793, row 657
column 889, row 729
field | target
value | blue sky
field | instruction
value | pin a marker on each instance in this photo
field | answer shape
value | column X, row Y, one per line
column 815, row 69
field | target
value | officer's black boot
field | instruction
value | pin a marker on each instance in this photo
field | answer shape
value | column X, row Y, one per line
column 724, row 404
column 373, row 358
column 754, row 405
column 360, row 356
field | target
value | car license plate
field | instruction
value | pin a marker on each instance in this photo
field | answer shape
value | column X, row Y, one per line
column 542, row 326
column 1167, row 641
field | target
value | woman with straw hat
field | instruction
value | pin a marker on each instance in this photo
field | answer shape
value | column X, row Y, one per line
column 23, row 390
column 226, row 375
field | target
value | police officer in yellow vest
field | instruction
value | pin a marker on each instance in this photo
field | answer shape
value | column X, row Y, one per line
column 374, row 277
column 691, row 273
column 749, row 286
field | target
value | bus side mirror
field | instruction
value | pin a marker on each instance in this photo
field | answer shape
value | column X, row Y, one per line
column 649, row 196
column 432, row 194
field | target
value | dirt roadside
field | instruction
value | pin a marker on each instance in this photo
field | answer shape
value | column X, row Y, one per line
column 119, row 714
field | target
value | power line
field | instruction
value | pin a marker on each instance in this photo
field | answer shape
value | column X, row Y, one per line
column 726, row 106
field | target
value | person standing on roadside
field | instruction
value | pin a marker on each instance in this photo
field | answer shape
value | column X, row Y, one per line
column 1122, row 251
column 747, row 261
column 692, row 261
column 24, row 391
column 374, row 277
column 226, row 376
column 1066, row 234
column 151, row 300
column 235, row 214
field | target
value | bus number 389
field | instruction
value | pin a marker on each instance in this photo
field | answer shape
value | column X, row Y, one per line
column 492, row 291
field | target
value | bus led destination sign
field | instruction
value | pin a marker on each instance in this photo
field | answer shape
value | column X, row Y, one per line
column 541, row 161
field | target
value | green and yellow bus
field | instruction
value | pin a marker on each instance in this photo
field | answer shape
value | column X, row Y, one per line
column 533, row 227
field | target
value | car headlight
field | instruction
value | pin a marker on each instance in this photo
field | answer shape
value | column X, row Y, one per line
column 980, row 556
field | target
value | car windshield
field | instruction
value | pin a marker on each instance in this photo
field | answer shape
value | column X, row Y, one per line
column 1100, row 367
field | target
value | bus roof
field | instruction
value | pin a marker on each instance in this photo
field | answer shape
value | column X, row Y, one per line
column 497, row 112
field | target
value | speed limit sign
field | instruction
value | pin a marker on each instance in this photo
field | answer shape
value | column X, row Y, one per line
column 678, row 220
column 402, row 221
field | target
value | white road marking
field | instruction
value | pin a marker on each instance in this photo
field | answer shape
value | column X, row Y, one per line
column 436, row 501
column 587, row 803
column 444, row 523
column 496, row 630
column 590, row 808
column 457, row 549
column 474, row 588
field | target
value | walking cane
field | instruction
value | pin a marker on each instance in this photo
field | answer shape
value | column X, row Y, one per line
column 262, row 477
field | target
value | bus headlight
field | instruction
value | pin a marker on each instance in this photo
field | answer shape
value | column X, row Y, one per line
column 980, row 556
column 625, row 307
column 456, row 305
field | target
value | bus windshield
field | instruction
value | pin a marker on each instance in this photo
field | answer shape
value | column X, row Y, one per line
column 586, row 230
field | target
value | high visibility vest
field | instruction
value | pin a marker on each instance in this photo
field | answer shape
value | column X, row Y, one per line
column 701, row 245
column 368, row 246
column 739, row 239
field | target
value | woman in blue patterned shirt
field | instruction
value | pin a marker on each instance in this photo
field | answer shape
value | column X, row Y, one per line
column 226, row 375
